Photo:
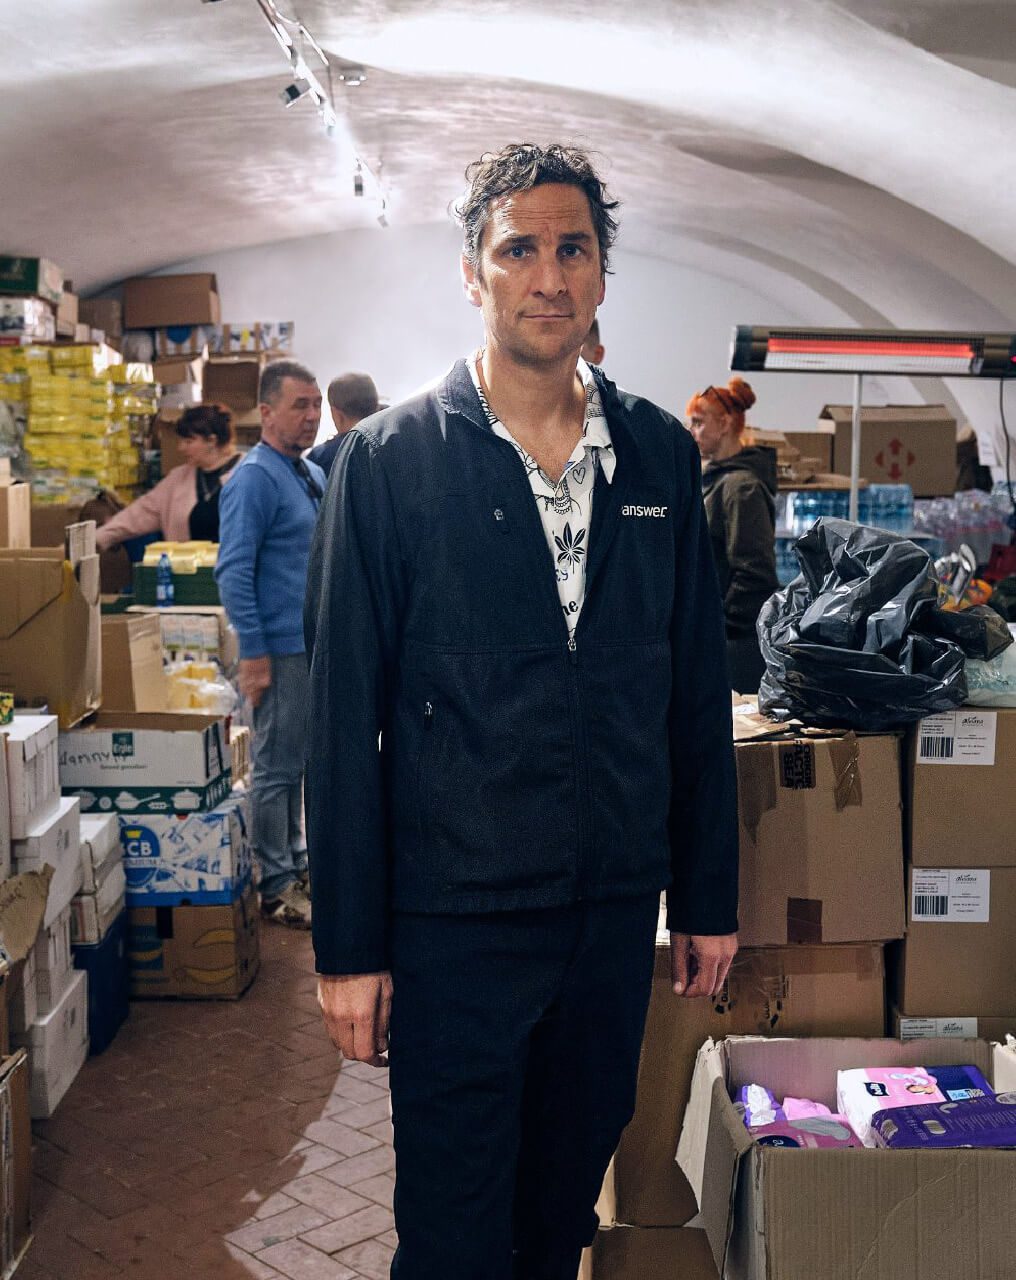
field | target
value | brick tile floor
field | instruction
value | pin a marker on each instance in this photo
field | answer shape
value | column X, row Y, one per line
column 219, row 1141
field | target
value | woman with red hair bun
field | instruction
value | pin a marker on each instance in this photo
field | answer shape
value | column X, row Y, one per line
column 739, row 490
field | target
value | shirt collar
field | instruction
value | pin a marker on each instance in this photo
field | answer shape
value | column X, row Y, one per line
column 595, row 431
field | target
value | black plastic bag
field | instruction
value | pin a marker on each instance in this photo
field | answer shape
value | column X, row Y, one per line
column 858, row 640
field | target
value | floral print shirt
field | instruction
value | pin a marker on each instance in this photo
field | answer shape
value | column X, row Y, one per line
column 565, row 508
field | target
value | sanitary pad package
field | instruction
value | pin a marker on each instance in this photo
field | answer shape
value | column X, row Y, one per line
column 813, row 1131
column 863, row 1092
column 978, row 1122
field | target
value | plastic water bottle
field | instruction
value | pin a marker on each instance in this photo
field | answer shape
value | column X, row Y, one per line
column 164, row 592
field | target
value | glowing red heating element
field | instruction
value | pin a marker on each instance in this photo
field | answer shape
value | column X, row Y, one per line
column 844, row 346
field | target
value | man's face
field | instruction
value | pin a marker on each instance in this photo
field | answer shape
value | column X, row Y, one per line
column 291, row 423
column 539, row 279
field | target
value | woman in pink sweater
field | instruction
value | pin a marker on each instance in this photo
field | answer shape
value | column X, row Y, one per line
column 184, row 505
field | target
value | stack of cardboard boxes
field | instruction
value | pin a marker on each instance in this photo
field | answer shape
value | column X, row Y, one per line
column 98, row 928
column 818, row 816
column 192, row 921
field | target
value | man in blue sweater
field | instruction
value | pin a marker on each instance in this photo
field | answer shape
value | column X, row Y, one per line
column 267, row 514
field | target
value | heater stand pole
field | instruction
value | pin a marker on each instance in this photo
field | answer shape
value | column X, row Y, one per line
column 855, row 446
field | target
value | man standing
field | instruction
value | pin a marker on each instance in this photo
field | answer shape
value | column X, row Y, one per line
column 267, row 513
column 351, row 398
column 512, row 584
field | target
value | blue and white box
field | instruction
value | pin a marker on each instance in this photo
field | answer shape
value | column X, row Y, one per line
column 198, row 860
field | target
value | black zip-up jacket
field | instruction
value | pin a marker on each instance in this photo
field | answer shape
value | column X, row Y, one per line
column 740, row 501
column 515, row 770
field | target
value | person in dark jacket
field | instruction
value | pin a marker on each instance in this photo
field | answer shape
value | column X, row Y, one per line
column 512, row 588
column 739, row 488
column 351, row 398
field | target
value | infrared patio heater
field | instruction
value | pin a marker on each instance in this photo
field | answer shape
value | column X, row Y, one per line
column 913, row 354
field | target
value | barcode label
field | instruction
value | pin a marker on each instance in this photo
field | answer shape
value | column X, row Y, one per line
column 950, row 897
column 938, row 1028
column 957, row 737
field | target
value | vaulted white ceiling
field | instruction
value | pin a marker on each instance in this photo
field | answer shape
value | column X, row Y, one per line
column 862, row 149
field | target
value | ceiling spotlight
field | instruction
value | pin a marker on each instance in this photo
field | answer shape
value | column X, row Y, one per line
column 292, row 92
column 351, row 76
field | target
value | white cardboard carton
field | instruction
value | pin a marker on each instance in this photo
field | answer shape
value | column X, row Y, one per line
column 33, row 774
column 100, row 845
column 57, row 1044
column 54, row 963
column 24, row 997
column 93, row 913
column 55, row 841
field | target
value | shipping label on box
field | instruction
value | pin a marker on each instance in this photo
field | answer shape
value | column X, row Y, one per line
column 147, row 763
column 204, row 858
column 960, row 896
column 958, row 737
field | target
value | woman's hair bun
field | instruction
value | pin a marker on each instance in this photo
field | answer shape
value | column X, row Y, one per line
column 741, row 393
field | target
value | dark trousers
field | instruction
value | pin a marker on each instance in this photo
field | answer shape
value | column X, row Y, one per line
column 515, row 1043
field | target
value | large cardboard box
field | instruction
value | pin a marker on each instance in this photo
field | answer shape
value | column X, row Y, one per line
column 199, row 859
column 32, row 770
column 50, row 627
column 103, row 313
column 133, row 678
column 171, row 371
column 900, row 444
column 195, row 631
column 960, row 948
column 139, row 762
column 49, row 521
column 956, row 1028
column 15, row 512
column 22, row 908
column 57, row 1044
column 187, row 340
column 100, row 848
column 54, row 841
column 67, row 314
column 818, row 819
column 961, row 768
column 840, row 1214
column 53, row 961
column 788, row 991
column 234, row 383
column 158, row 302
column 93, row 913
column 201, row 953
column 649, row 1253
column 15, row 1162
column 36, row 276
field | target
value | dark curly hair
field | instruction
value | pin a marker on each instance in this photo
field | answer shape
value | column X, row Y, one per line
column 520, row 167
column 213, row 421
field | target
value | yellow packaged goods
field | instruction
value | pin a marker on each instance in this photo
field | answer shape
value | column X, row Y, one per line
column 185, row 557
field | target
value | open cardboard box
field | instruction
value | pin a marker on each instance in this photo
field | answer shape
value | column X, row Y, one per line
column 842, row 1214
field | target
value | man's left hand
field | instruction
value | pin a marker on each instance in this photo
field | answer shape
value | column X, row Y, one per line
column 699, row 963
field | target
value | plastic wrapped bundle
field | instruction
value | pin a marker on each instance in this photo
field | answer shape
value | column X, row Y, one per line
column 858, row 640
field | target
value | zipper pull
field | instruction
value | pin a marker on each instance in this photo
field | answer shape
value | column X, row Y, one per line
column 572, row 649
column 501, row 519
column 428, row 714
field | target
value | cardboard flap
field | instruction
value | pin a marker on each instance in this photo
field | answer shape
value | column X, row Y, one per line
column 22, row 910
column 27, row 586
column 89, row 580
column 1004, row 1066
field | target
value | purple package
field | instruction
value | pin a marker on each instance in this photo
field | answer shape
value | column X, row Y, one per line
column 978, row 1122
column 813, row 1131
column 758, row 1106
column 961, row 1084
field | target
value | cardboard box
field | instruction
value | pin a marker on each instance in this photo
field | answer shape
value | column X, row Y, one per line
column 201, row 953
column 159, row 302
column 201, row 859
column 195, row 631
column 770, row 992
column 5, row 816
column 92, row 914
column 26, row 320
column 23, row 995
column 240, row 751
column 234, row 383
column 900, row 444
column 50, row 625
column 36, row 276
column 649, row 1253
column 33, row 775
column 49, row 521
column 15, row 1162
column 961, row 799
column 15, row 513
column 274, row 336
column 133, row 678
column 960, row 949
column 173, row 370
column 108, row 984
column 53, row 962
column 54, row 841
column 22, row 908
column 840, row 1214
column 960, row 1028
column 102, row 313
column 57, row 1045
column 139, row 762
column 100, row 848
column 817, row 818
column 67, row 314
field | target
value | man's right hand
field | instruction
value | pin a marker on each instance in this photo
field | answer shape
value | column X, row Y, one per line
column 255, row 678
column 357, row 1008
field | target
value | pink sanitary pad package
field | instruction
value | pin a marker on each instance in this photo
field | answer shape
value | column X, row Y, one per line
column 812, row 1131
column 863, row 1091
